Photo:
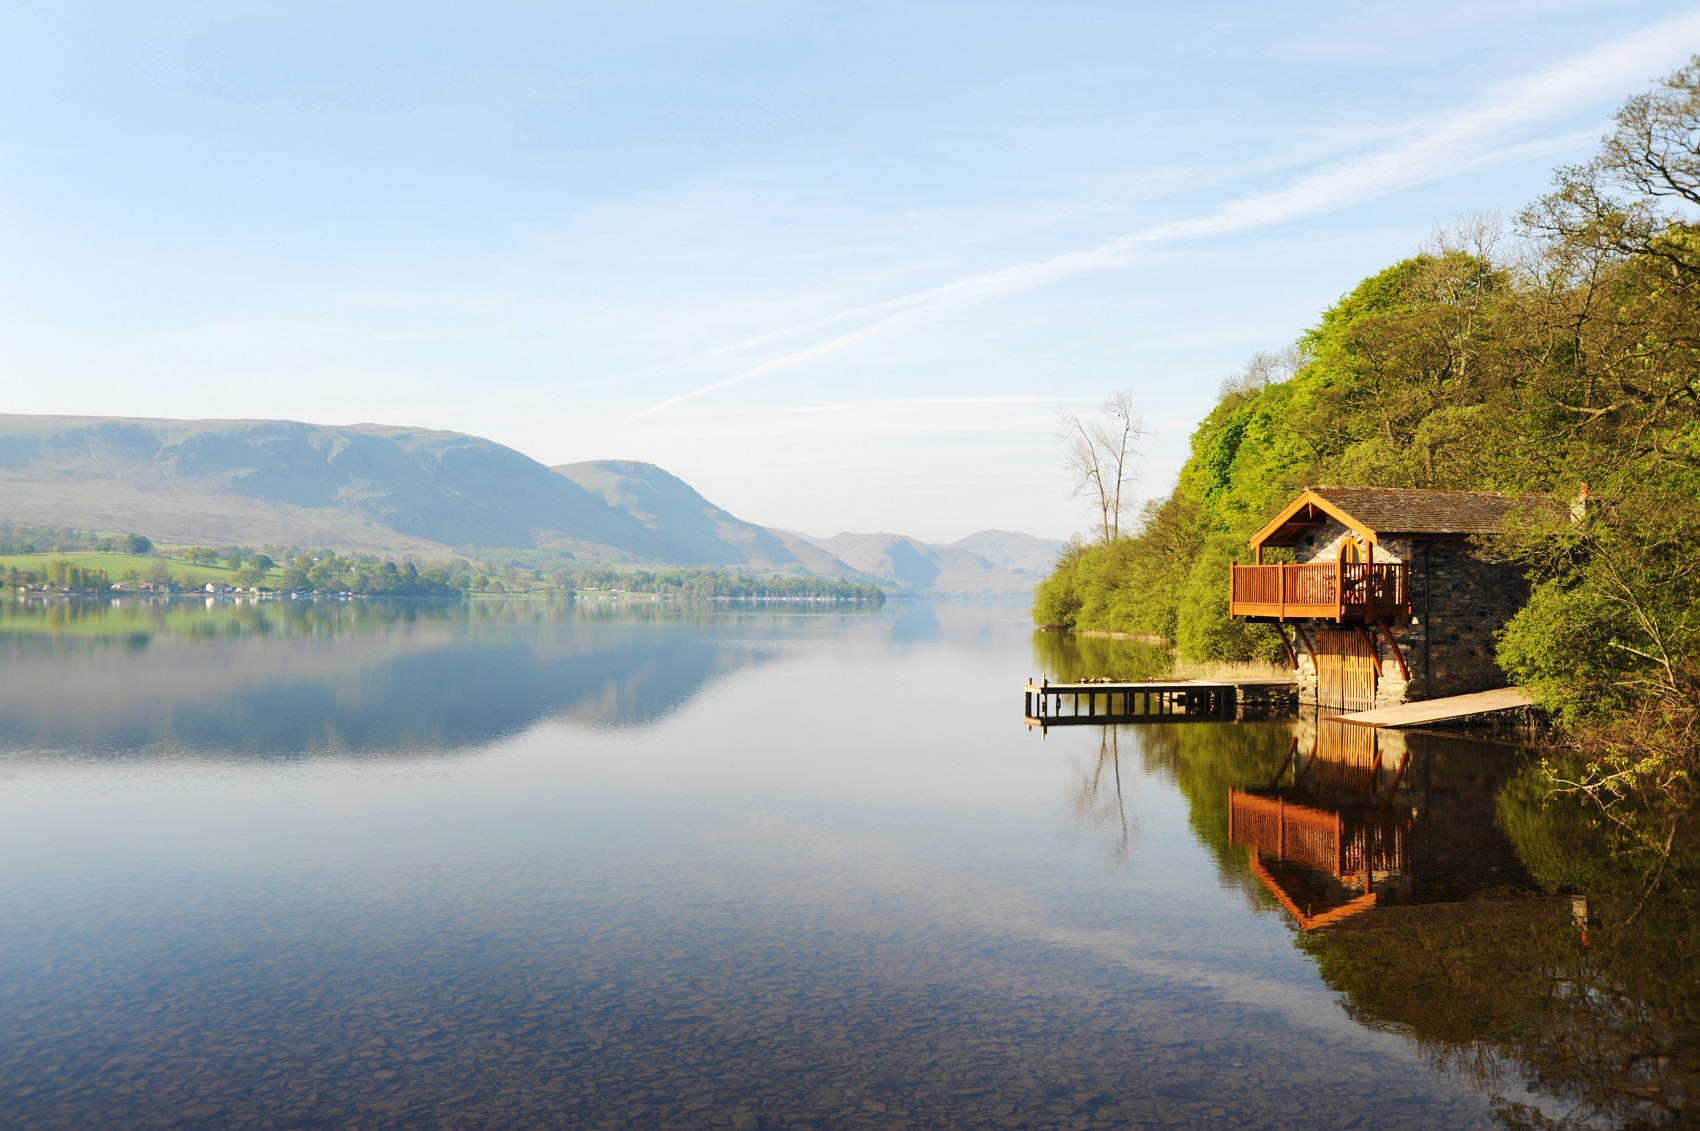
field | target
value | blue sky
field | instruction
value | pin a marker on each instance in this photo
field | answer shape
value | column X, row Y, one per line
column 839, row 266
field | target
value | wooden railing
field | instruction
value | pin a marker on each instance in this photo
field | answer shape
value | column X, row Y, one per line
column 1294, row 833
column 1325, row 840
column 1328, row 590
column 1375, row 586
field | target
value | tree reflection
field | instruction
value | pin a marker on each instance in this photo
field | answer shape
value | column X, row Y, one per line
column 1600, row 1010
column 1066, row 656
column 1472, row 944
column 1099, row 801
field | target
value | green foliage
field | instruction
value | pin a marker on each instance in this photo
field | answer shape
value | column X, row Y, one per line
column 1560, row 648
column 711, row 583
column 1615, row 617
column 17, row 538
column 1576, row 362
column 1056, row 599
column 57, row 574
column 365, row 574
column 1205, row 632
column 1218, row 470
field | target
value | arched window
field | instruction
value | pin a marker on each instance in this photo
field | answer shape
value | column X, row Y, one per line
column 1349, row 551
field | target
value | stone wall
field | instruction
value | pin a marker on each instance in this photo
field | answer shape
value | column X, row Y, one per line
column 1459, row 597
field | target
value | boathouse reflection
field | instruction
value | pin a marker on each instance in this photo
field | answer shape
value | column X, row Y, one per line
column 1434, row 878
column 1348, row 822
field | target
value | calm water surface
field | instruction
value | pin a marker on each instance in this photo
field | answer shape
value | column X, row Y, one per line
column 365, row 865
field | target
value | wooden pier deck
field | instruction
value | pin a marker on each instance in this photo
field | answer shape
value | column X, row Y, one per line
column 1169, row 700
column 1450, row 709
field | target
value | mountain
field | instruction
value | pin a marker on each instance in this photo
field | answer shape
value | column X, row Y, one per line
column 689, row 527
column 925, row 568
column 364, row 486
column 1022, row 553
column 390, row 489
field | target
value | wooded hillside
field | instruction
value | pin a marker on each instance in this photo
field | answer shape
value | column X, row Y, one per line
column 1558, row 350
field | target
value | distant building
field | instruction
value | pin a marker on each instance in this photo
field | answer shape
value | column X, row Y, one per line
column 1389, row 598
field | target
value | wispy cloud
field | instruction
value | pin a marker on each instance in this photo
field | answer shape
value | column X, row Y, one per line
column 905, row 404
column 1492, row 130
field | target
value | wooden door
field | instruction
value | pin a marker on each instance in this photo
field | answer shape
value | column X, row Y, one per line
column 1345, row 670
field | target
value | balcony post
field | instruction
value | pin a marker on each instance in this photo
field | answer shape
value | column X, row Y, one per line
column 1281, row 589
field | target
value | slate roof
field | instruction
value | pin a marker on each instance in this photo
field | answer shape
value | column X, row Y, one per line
column 1379, row 512
column 1398, row 510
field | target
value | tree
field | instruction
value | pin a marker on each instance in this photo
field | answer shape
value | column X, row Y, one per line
column 1263, row 370
column 137, row 544
column 1100, row 456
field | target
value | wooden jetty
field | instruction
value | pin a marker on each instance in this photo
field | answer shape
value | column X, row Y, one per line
column 1451, row 709
column 1098, row 703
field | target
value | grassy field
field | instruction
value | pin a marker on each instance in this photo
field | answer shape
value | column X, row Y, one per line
column 117, row 565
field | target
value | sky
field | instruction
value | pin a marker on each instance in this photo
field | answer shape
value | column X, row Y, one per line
column 838, row 266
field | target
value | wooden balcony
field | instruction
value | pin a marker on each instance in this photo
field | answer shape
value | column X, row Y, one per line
column 1343, row 592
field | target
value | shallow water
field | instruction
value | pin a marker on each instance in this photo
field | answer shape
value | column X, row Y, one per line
column 551, row 866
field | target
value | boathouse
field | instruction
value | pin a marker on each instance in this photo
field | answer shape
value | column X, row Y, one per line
column 1390, row 597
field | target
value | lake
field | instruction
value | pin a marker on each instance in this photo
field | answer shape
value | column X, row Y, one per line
column 607, row 865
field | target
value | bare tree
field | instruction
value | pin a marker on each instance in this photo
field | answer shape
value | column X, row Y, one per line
column 1263, row 370
column 1101, row 457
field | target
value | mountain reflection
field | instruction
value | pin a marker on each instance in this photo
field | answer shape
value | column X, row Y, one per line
column 288, row 679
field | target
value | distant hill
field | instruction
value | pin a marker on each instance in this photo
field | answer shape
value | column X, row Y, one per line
column 925, row 568
column 389, row 489
column 365, row 486
column 692, row 529
column 1022, row 553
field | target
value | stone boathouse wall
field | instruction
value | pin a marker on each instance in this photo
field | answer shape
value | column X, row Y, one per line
column 1460, row 597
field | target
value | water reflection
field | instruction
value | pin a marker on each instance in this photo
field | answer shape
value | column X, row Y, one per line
column 287, row 679
column 1066, row 657
column 836, row 890
column 1436, row 883
column 1100, row 798
column 1599, row 1009
column 1351, row 822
